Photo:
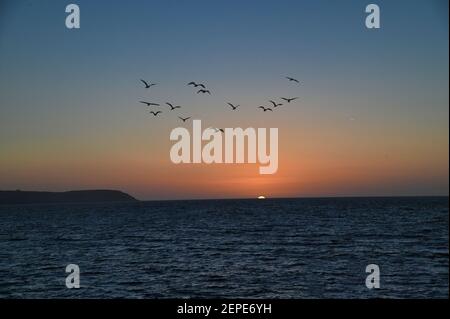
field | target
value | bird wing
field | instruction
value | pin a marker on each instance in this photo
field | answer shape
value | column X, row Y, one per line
column 169, row 104
column 146, row 84
column 192, row 83
column 202, row 85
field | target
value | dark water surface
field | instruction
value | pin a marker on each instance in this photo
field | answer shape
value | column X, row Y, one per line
column 287, row 248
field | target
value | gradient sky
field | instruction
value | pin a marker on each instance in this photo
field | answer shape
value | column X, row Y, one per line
column 372, row 118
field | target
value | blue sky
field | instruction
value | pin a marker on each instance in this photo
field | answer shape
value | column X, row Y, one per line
column 76, row 90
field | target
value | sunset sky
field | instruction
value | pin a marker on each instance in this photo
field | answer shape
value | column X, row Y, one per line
column 372, row 118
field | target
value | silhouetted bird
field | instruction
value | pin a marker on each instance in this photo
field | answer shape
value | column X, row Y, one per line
column 184, row 119
column 265, row 109
column 275, row 104
column 217, row 129
column 155, row 113
column 147, row 85
column 197, row 84
column 149, row 104
column 234, row 107
column 173, row 107
column 292, row 79
column 204, row 91
column 289, row 100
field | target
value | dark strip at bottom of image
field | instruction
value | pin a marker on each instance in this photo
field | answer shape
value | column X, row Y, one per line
column 225, row 308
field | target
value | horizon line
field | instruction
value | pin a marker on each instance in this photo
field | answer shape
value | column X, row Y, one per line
column 232, row 198
column 299, row 197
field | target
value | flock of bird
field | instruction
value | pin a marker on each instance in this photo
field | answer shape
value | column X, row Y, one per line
column 202, row 89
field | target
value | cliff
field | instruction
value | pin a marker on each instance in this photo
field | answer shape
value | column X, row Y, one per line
column 88, row 196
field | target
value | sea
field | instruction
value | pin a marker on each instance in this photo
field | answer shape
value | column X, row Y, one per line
column 273, row 248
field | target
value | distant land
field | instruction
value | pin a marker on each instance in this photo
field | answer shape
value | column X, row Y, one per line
column 85, row 196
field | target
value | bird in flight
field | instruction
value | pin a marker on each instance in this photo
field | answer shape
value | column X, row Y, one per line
column 265, row 109
column 147, row 85
column 289, row 100
column 234, row 107
column 197, row 84
column 292, row 79
column 275, row 104
column 155, row 113
column 217, row 129
column 203, row 91
column 173, row 107
column 184, row 119
column 149, row 104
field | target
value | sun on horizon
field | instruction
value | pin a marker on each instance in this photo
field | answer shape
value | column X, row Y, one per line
column 261, row 197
